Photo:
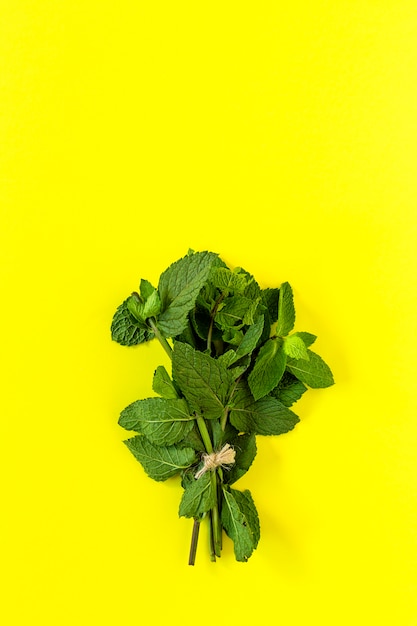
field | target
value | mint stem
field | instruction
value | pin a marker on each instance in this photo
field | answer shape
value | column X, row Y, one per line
column 194, row 541
column 164, row 343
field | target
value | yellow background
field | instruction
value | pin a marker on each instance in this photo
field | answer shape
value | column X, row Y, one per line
column 284, row 137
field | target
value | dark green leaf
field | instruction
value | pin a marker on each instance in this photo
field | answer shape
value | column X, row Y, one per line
column 268, row 369
column 232, row 312
column 270, row 298
column 162, row 383
column 247, row 506
column 289, row 389
column 263, row 417
column 314, row 372
column 204, row 381
column 245, row 449
column 250, row 340
column 286, row 310
column 179, row 287
column 240, row 521
column 199, row 496
column 160, row 462
column 127, row 330
column 162, row 421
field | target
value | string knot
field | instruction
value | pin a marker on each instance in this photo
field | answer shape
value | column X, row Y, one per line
column 225, row 456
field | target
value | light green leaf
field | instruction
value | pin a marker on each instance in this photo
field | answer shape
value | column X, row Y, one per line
column 198, row 497
column 162, row 383
column 308, row 338
column 225, row 280
column 295, row 347
column 314, row 372
column 263, row 417
column 240, row 521
column 286, row 310
column 160, row 462
column 268, row 369
column 204, row 381
column 162, row 421
column 126, row 330
column 179, row 287
column 152, row 306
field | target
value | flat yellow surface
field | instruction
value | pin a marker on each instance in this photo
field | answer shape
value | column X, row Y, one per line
column 284, row 137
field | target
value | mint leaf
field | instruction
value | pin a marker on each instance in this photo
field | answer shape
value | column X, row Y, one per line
column 240, row 521
column 162, row 421
column 315, row 372
column 146, row 289
column 286, row 310
column 307, row 338
column 160, row 462
column 246, row 504
column 289, row 389
column 245, row 449
column 179, row 287
column 268, row 369
column 198, row 497
column 263, row 417
column 204, row 381
column 270, row 298
column 231, row 313
column 126, row 329
column 250, row 340
column 225, row 280
column 162, row 383
column 295, row 347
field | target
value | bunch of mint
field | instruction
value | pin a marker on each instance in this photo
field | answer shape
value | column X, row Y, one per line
column 237, row 368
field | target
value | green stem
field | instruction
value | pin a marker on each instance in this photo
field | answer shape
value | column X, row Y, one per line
column 164, row 343
column 202, row 427
column 217, row 528
column 194, row 541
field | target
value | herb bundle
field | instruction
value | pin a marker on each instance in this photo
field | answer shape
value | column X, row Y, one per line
column 237, row 368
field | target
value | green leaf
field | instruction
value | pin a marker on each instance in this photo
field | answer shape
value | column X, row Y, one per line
column 126, row 330
column 162, row 383
column 250, row 340
column 240, row 521
column 286, row 310
column 162, row 421
column 314, row 372
column 160, row 462
column 179, row 287
column 231, row 313
column 268, row 369
column 245, row 452
column 263, row 417
column 192, row 440
column 270, row 298
column 225, row 280
column 289, row 389
column 204, row 381
column 198, row 497
column 307, row 338
column 152, row 306
column 295, row 347
column 146, row 289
